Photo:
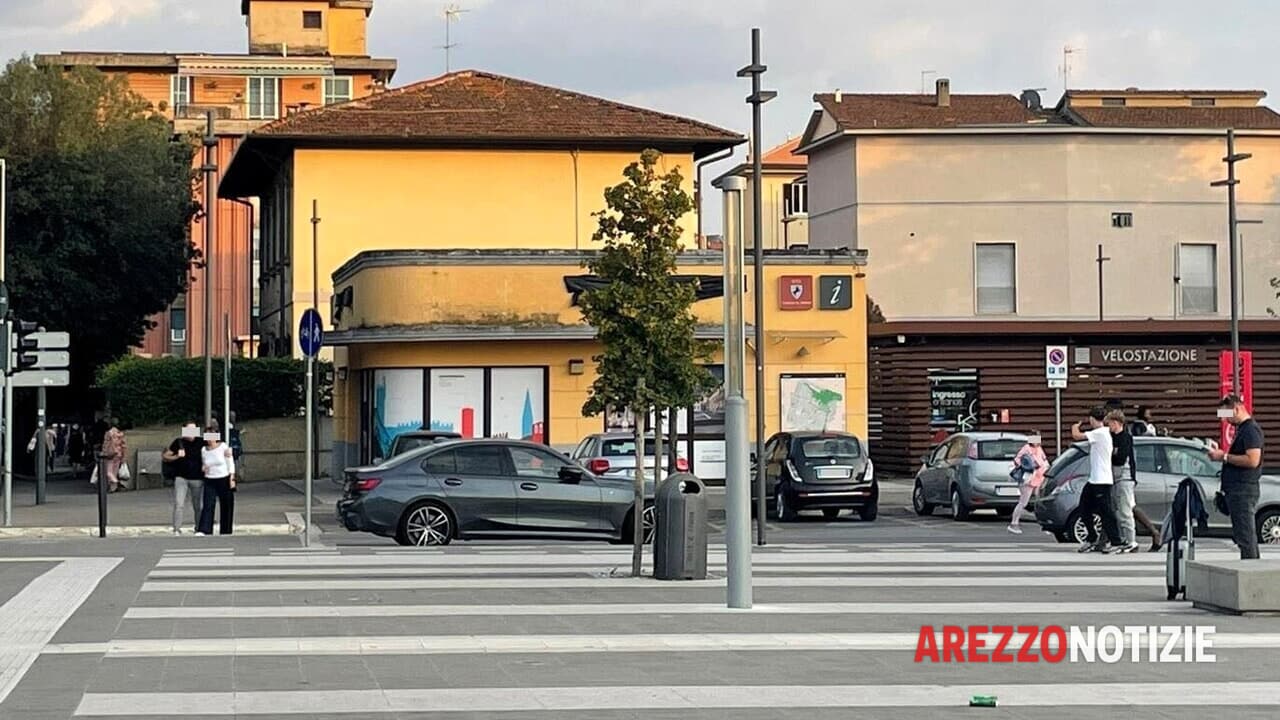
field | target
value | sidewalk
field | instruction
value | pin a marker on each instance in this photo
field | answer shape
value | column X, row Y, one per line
column 71, row 509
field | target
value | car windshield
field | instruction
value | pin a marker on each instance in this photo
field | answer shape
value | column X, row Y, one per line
column 1065, row 460
column 825, row 448
column 1003, row 449
column 624, row 447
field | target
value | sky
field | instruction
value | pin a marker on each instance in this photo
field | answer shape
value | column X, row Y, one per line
column 681, row 56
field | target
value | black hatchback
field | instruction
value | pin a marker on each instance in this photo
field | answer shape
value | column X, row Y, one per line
column 827, row 471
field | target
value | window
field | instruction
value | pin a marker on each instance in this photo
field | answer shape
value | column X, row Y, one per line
column 795, row 199
column 1203, row 102
column 531, row 463
column 180, row 94
column 1113, row 102
column 441, row 463
column 264, row 98
column 1005, row 449
column 1198, row 271
column 1121, row 220
column 178, row 325
column 957, row 448
column 479, row 460
column 1184, row 461
column 826, row 448
column 336, row 90
column 312, row 20
column 995, row 282
column 1145, row 455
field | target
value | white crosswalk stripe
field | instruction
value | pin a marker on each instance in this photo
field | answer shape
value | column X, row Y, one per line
column 526, row 612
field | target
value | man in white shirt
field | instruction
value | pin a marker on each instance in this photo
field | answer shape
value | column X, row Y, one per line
column 1095, row 497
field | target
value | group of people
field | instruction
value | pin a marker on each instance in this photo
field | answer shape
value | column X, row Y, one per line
column 1107, row 498
column 203, row 470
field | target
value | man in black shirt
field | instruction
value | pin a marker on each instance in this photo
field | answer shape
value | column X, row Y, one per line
column 186, row 468
column 1241, row 471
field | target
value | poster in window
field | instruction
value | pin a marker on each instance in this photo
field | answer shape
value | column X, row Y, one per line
column 397, row 405
column 813, row 402
column 708, row 413
column 517, row 403
column 953, row 399
column 457, row 401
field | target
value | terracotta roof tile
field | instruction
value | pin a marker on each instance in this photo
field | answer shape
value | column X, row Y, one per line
column 782, row 155
column 474, row 105
column 900, row 112
column 1245, row 118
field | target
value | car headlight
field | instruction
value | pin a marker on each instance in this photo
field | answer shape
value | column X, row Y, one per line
column 795, row 474
column 870, row 474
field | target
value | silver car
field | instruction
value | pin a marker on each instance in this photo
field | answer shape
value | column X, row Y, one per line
column 969, row 471
column 1162, row 464
column 613, row 455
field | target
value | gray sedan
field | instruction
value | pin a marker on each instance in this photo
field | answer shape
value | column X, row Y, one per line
column 969, row 471
column 1162, row 464
column 488, row 488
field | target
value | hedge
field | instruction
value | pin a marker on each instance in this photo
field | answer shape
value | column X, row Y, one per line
column 148, row 391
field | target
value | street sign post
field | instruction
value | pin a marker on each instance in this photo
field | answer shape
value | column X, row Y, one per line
column 41, row 378
column 310, row 337
column 1055, row 372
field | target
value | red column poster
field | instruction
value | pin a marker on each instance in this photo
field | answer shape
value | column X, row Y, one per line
column 1224, row 388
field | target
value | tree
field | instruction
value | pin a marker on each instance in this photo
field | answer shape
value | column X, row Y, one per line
column 100, row 201
column 1275, row 285
column 642, row 316
column 874, row 313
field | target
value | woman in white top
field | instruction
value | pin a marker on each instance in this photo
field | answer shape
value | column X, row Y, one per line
column 219, row 484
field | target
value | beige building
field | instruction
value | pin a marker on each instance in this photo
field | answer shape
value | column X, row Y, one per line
column 992, row 207
column 784, row 197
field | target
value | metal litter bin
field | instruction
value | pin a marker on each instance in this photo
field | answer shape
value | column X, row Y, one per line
column 680, row 542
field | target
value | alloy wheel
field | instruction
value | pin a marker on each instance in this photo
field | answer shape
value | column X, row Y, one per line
column 1081, row 533
column 917, row 499
column 429, row 525
column 648, row 524
column 1269, row 533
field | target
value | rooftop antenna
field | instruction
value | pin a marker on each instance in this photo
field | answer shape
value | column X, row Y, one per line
column 924, row 80
column 451, row 13
column 1065, row 69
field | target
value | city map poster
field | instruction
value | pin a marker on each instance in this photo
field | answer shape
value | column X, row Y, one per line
column 813, row 402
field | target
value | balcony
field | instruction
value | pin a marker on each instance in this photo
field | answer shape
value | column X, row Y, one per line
column 228, row 119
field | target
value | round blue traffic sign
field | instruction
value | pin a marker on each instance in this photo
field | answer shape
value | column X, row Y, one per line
column 310, row 333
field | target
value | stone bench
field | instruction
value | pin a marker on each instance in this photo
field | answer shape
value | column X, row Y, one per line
column 147, row 470
column 1234, row 586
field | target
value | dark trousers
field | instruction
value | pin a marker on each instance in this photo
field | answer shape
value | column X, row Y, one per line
column 1242, row 503
column 1096, row 500
column 217, row 491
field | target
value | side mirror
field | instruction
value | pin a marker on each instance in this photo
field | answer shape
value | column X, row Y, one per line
column 924, row 459
column 570, row 474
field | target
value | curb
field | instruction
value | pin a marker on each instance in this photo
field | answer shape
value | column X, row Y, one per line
column 118, row 531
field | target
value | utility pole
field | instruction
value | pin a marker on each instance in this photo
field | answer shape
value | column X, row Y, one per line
column 6, row 401
column 210, row 170
column 757, row 98
column 1233, row 245
column 451, row 13
column 737, row 465
column 315, row 305
column 1100, row 260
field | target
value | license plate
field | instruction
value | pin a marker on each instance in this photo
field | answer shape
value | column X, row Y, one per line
column 833, row 473
column 1010, row 490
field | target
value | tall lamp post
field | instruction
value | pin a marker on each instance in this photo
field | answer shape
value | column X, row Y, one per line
column 1233, row 246
column 757, row 98
column 737, row 466
column 210, row 170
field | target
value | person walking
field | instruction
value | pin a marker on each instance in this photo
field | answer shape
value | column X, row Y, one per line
column 1241, row 472
column 185, row 463
column 1031, row 454
column 1095, row 499
column 1124, row 472
column 1143, row 425
column 219, row 469
column 114, row 448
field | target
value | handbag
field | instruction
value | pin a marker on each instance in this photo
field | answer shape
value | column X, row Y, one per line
column 1220, row 503
column 1026, row 464
column 123, row 473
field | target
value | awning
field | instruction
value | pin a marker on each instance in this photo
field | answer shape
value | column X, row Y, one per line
column 826, row 336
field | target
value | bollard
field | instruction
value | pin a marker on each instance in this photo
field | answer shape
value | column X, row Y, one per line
column 102, row 495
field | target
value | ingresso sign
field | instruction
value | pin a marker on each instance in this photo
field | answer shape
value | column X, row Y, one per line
column 1143, row 355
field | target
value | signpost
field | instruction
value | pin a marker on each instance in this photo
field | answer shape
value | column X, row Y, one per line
column 1055, row 372
column 310, row 337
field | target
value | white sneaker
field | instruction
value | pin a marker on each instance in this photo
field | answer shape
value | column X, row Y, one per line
column 1014, row 529
column 1131, row 548
column 199, row 534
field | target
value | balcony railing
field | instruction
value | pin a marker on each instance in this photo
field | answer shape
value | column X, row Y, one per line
column 220, row 112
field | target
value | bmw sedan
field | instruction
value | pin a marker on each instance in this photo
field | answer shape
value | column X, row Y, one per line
column 969, row 471
column 485, row 489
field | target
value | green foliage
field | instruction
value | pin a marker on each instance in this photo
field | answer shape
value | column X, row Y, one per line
column 642, row 318
column 874, row 313
column 100, row 200
column 1275, row 285
column 146, row 391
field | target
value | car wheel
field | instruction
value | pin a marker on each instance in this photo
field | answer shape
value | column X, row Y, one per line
column 918, row 502
column 785, row 513
column 1269, row 527
column 831, row 513
column 648, row 517
column 426, row 524
column 959, row 511
column 869, row 512
column 1076, row 530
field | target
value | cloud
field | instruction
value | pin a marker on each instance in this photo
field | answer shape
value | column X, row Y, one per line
column 92, row 14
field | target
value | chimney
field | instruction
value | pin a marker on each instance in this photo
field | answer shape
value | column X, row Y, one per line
column 838, row 95
column 943, row 91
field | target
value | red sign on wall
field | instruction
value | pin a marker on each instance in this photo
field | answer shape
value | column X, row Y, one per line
column 795, row 292
column 1224, row 387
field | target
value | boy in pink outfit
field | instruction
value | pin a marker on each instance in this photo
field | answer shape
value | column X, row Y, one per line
column 1031, row 479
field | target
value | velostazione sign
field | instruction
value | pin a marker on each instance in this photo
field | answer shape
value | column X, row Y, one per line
column 1140, row 355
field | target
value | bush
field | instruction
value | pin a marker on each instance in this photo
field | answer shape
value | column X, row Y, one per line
column 148, row 391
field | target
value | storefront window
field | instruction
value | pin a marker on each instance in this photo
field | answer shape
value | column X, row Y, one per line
column 517, row 399
column 457, row 401
column 397, row 406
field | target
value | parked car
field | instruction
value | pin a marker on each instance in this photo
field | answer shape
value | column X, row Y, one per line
column 827, row 471
column 488, row 488
column 613, row 455
column 969, row 471
column 404, row 442
column 1163, row 462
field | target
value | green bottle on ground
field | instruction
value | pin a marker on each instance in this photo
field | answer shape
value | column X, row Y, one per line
column 982, row 701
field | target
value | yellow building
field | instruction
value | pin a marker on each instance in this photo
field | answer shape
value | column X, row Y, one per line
column 784, row 197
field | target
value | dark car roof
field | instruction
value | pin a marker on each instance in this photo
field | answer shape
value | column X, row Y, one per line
column 429, row 434
column 820, row 434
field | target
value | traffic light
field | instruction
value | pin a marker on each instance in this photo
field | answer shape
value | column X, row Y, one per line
column 24, row 346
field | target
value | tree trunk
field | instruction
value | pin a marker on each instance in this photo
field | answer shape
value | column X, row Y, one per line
column 637, row 524
column 658, row 472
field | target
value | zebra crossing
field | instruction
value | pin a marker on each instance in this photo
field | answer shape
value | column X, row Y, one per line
column 559, row 631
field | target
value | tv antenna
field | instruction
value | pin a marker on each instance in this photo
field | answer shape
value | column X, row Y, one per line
column 452, row 12
column 1065, row 69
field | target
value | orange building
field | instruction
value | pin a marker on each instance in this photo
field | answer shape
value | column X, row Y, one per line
column 301, row 54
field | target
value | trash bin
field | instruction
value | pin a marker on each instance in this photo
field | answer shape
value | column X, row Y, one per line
column 680, row 542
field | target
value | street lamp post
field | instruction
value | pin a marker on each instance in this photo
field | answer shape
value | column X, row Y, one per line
column 737, row 466
column 210, row 170
column 1233, row 248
